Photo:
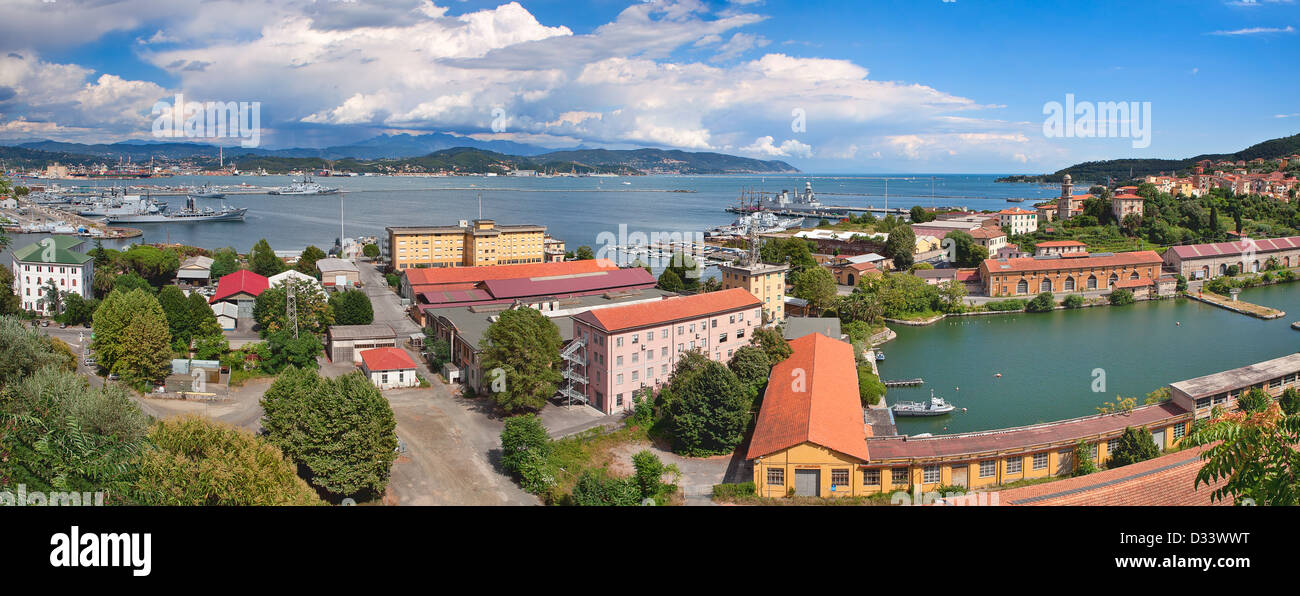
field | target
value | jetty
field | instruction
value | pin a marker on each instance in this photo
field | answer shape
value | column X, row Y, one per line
column 1237, row 306
column 904, row 383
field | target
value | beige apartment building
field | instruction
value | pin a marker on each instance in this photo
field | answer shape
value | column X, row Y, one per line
column 465, row 245
column 765, row 282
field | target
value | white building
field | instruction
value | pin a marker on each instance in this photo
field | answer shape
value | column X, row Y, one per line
column 389, row 368
column 1019, row 221
column 51, row 260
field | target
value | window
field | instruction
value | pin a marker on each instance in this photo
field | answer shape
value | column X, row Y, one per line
column 871, row 477
column 618, row 361
column 1180, row 429
column 930, row 475
column 663, row 352
column 649, row 336
column 715, row 322
column 839, row 477
column 1015, row 465
column 618, row 399
column 635, row 357
column 634, row 375
column 988, row 468
column 1202, row 403
column 618, row 341
column 618, row 380
column 1040, row 461
column 635, row 338
column 776, row 476
column 898, row 477
column 1111, row 445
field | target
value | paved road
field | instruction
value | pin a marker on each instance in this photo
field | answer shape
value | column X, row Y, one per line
column 386, row 303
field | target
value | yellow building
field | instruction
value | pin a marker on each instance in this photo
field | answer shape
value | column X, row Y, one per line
column 483, row 243
column 810, row 438
column 766, row 282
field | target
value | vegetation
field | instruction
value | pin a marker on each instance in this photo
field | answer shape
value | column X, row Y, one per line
column 901, row 246
column 900, row 295
column 1006, row 305
column 1073, row 301
column 342, row 431
column 225, row 262
column 1084, row 463
column 1120, row 297
column 315, row 311
column 262, row 260
column 1134, row 446
column 521, row 359
column 963, row 250
column 370, row 251
column 352, row 307
column 1251, row 453
column 1043, row 302
column 526, row 452
column 870, row 387
column 817, row 286
column 707, row 407
column 307, row 260
column 157, row 266
column 773, row 344
column 132, row 337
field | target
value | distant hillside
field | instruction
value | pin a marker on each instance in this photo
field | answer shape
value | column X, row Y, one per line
column 463, row 160
column 1124, row 169
column 21, row 157
column 678, row 162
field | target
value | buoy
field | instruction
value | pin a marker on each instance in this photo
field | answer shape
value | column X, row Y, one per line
column 999, row 375
column 963, row 409
column 956, row 388
column 1178, row 323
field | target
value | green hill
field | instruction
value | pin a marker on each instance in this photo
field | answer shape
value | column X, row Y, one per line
column 1126, row 169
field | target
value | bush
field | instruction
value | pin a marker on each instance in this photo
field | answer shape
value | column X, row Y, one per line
column 1121, row 297
column 731, row 491
column 1043, row 302
column 1006, row 305
column 870, row 388
column 1073, row 301
column 595, row 489
column 1133, row 446
column 526, row 451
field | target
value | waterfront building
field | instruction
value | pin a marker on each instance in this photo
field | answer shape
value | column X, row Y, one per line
column 347, row 342
column 849, row 273
column 1070, row 273
column 553, row 250
column 1019, row 221
column 52, row 259
column 240, row 289
column 338, row 273
column 1060, row 247
column 764, row 281
column 463, row 327
column 1168, row 480
column 389, row 368
column 810, row 438
column 1223, row 388
column 1204, row 261
column 626, row 348
column 482, row 244
column 941, row 228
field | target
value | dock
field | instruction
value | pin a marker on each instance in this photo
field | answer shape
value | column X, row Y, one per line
column 904, row 383
column 1237, row 306
column 825, row 211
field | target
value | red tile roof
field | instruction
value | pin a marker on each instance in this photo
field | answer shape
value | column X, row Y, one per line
column 1056, row 243
column 461, row 275
column 1141, row 257
column 1017, row 211
column 1128, row 196
column 668, row 310
column 1264, row 245
column 387, row 359
column 616, row 279
column 1165, row 480
column 1134, row 283
column 812, row 398
column 987, row 233
column 240, row 281
column 1024, row 437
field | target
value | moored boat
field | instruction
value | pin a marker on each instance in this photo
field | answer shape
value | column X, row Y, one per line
column 936, row 406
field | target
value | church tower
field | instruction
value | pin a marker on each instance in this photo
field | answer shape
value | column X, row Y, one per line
column 1063, row 203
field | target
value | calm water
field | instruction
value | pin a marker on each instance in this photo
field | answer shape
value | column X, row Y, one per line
column 1047, row 360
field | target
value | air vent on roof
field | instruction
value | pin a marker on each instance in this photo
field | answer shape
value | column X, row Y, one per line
column 1045, row 257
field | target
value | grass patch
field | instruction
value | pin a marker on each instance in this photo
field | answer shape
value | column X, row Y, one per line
column 239, row 376
column 589, row 449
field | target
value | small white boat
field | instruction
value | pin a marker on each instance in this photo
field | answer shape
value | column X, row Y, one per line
column 935, row 407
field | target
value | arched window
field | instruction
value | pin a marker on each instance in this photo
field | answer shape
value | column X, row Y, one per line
column 1022, row 287
column 1113, row 280
column 1045, row 286
column 1223, row 269
column 1069, row 284
column 1092, row 282
column 1134, row 276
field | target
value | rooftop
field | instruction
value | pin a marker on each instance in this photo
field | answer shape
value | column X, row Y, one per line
column 1166, row 480
column 1238, row 378
column 373, row 331
column 796, row 327
column 670, row 309
column 326, row 265
column 827, row 411
column 1136, row 258
column 1217, row 249
column 62, row 252
column 242, row 281
column 471, row 275
column 387, row 359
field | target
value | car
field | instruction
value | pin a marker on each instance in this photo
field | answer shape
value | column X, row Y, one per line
column 113, row 376
column 63, row 325
column 45, row 323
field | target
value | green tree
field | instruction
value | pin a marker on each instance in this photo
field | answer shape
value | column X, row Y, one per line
column 1120, row 297
column 225, row 262
column 526, row 453
column 521, row 359
column 817, row 286
column 341, row 430
column 262, row 260
column 1043, row 302
column 585, row 253
column 1255, row 400
column 78, row 310
column 901, row 246
column 10, row 302
column 352, row 307
column 154, row 264
column 25, row 351
column 795, row 251
column 963, row 250
column 709, row 410
column 132, row 338
column 773, row 343
column 1290, row 401
column 1083, row 461
column 870, row 387
column 1073, row 301
column 283, row 350
column 920, row 215
column 649, row 475
column 193, row 461
column 314, row 308
column 669, row 282
column 132, row 281
column 52, row 297
column 1251, row 455
column 307, row 260
column 371, row 251
column 751, row 366
column 180, row 316
column 1133, row 446
column 951, row 294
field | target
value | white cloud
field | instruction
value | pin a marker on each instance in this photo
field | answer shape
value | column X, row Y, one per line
column 1256, row 31
column 789, row 148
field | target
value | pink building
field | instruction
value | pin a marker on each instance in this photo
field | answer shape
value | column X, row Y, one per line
column 624, row 348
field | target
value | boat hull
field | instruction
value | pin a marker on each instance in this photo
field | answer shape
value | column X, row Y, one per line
column 237, row 215
column 922, row 413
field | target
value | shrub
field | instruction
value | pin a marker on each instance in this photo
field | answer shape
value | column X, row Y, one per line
column 1006, row 305
column 1121, row 297
column 870, row 388
column 731, row 491
column 1043, row 302
column 1133, row 446
column 526, row 451
column 1073, row 301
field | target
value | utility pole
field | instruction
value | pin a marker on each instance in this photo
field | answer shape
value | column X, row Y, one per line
column 291, row 305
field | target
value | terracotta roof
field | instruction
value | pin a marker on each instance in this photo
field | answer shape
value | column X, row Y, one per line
column 1022, row 438
column 1166, row 480
column 451, row 275
column 387, row 359
column 1055, row 243
column 986, row 233
column 668, row 310
column 827, row 411
column 964, row 275
column 1017, row 211
column 616, row 279
column 1128, row 196
column 1141, row 257
column 1134, row 283
column 240, row 281
column 1192, row 251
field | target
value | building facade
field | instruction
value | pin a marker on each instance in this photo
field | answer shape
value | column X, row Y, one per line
column 465, row 245
column 765, row 282
column 1019, row 221
column 389, row 368
column 1087, row 272
column 1223, row 388
column 1204, row 261
column 52, row 259
column 626, row 348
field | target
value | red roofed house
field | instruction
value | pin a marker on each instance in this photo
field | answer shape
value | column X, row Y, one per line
column 241, row 289
column 1098, row 271
column 1125, row 204
column 1203, row 261
column 1060, row 247
column 389, row 367
column 625, row 348
column 1019, row 221
column 811, row 434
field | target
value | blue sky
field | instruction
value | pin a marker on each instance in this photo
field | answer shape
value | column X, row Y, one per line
column 882, row 86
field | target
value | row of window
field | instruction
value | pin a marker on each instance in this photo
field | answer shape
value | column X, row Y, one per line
column 41, row 269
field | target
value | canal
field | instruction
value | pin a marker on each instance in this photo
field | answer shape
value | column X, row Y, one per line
column 1050, row 363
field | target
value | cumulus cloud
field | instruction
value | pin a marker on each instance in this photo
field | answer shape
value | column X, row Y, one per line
column 788, row 148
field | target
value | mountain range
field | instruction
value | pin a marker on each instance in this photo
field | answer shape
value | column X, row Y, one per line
column 1127, row 169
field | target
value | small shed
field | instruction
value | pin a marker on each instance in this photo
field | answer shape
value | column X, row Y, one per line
column 451, row 372
column 346, row 342
column 389, row 368
column 338, row 273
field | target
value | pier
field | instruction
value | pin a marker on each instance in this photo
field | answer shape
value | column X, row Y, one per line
column 824, row 211
column 1237, row 306
column 904, row 383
